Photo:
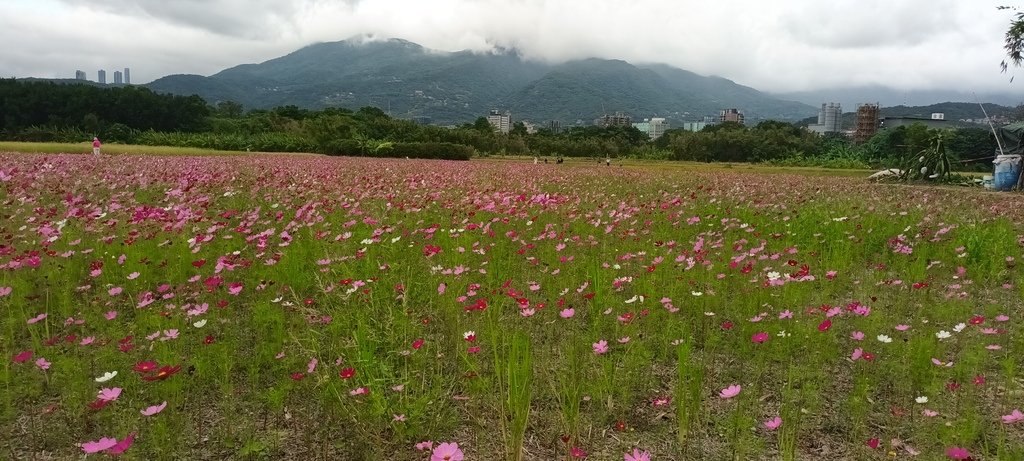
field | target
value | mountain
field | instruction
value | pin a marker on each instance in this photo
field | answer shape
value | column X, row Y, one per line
column 410, row 81
column 850, row 97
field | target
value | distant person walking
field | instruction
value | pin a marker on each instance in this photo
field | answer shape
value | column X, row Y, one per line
column 607, row 161
column 95, row 146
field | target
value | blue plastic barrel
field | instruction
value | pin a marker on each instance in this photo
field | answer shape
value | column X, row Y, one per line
column 1007, row 171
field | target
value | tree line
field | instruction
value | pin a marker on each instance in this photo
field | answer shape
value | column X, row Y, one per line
column 45, row 111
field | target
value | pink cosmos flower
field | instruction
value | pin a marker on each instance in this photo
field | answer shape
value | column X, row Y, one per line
column 857, row 336
column 929, row 413
column 730, row 392
column 115, row 291
column 150, row 411
column 441, row 288
column 773, row 423
column 600, row 347
column 4, row 291
column 109, row 394
column 133, row 276
column 637, row 455
column 98, row 445
column 234, row 288
column 447, row 451
column 359, row 391
column 170, row 334
column 425, row 445
column 857, row 353
column 312, row 365
column 902, row 327
column 958, row 453
column 36, row 318
column 42, row 364
column 1015, row 416
column 759, row 337
column 567, row 313
column 110, row 315
column 624, row 340
column 786, row 314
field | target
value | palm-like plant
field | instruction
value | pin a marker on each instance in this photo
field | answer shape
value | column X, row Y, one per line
column 930, row 163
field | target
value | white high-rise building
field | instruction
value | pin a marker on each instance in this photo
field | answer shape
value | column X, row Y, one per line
column 117, row 77
column 500, row 122
column 102, row 77
column 127, row 76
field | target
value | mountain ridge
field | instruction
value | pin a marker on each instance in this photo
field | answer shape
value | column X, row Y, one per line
column 455, row 87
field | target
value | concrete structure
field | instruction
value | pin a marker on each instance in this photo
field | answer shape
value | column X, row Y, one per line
column 127, row 76
column 101, row 77
column 500, row 122
column 867, row 122
column 531, row 128
column 695, row 126
column 117, row 77
column 730, row 115
column 619, row 119
column 830, row 119
column 654, row 127
column 79, row 75
column 933, row 122
column 555, row 126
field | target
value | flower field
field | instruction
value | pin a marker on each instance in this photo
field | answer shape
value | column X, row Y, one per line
column 362, row 309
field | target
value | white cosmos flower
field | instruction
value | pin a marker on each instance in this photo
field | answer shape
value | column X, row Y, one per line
column 943, row 334
column 106, row 376
column 959, row 327
column 921, row 399
column 200, row 323
column 884, row 339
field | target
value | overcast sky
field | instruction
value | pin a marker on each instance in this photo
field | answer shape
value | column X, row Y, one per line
column 778, row 45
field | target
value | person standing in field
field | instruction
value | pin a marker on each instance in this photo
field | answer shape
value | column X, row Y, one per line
column 95, row 146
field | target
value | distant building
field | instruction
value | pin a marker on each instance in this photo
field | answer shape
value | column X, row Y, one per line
column 867, row 122
column 127, row 76
column 500, row 122
column 79, row 75
column 695, row 126
column 830, row 119
column 730, row 115
column 117, row 77
column 937, row 120
column 619, row 119
column 101, row 77
column 555, row 126
column 653, row 127
column 531, row 128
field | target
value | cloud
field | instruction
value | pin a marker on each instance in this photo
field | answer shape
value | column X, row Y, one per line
column 774, row 46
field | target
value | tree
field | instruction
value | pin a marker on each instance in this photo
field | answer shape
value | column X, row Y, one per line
column 1014, row 40
column 229, row 109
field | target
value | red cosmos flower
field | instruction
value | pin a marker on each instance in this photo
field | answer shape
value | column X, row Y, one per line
column 163, row 373
column 222, row 303
column 620, row 426
column 298, row 376
column 417, row 343
column 979, row 380
column 919, row 285
column 208, row 340
column 347, row 373
column 952, row 386
column 98, row 404
column 22, row 356
column 626, row 318
column 824, row 326
column 588, row 296
column 727, row 325
column 578, row 452
column 868, row 356
column 977, row 320
column 145, row 367
column 198, row 263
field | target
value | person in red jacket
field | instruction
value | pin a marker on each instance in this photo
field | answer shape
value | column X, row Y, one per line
column 95, row 146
